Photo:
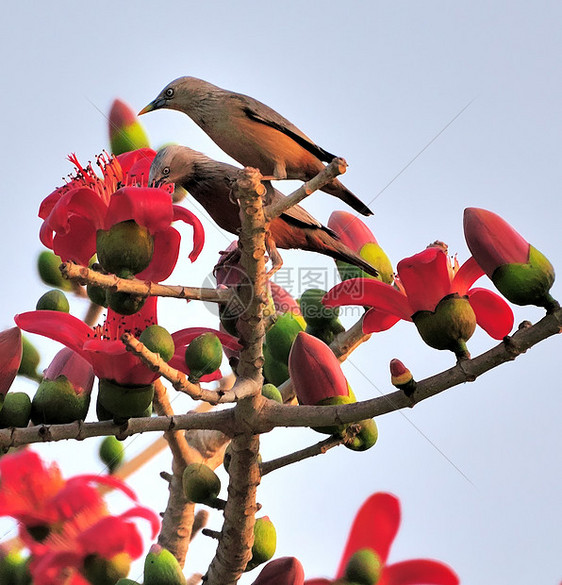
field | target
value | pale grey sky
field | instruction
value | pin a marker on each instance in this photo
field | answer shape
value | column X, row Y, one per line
column 375, row 82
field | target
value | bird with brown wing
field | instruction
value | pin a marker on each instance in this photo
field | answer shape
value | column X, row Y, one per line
column 210, row 182
column 252, row 133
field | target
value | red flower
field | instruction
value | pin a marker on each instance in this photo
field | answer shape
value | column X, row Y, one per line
column 357, row 236
column 10, row 358
column 74, row 213
column 315, row 370
column 64, row 521
column 374, row 529
column 519, row 271
column 102, row 346
column 429, row 281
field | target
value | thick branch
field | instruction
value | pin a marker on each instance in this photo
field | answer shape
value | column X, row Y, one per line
column 234, row 548
column 316, row 449
column 15, row 437
column 143, row 288
column 337, row 167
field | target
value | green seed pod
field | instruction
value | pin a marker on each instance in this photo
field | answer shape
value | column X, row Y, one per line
column 112, row 453
column 203, row 355
column 16, row 411
column 265, row 542
column 200, row 483
column 158, row 340
column 124, row 303
column 125, row 246
column 53, row 300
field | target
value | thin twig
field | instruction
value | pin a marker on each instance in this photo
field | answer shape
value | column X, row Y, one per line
column 337, row 167
column 143, row 288
column 316, row 449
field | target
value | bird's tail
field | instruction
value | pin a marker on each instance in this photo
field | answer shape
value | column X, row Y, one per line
column 339, row 190
column 322, row 240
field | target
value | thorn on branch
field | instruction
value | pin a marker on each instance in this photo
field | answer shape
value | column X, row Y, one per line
column 211, row 533
column 166, row 476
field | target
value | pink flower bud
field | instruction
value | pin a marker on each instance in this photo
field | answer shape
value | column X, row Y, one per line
column 10, row 358
column 75, row 368
column 283, row 571
column 125, row 131
column 315, row 370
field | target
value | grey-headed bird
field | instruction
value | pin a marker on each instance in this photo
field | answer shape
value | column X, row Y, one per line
column 252, row 133
column 210, row 182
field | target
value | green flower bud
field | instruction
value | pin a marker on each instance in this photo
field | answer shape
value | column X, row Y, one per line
column 200, row 483
column 365, row 438
column 316, row 315
column 125, row 246
column 275, row 371
column 162, row 568
column 53, row 300
column 158, row 340
column 29, row 360
column 16, row 411
column 48, row 267
column 203, row 355
column 112, row 453
column 125, row 402
column 364, row 567
column 57, row 402
column 281, row 335
column 265, row 542
column 101, row 571
column 272, row 392
column 124, row 303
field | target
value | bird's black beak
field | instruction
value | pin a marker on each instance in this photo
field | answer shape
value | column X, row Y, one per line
column 153, row 105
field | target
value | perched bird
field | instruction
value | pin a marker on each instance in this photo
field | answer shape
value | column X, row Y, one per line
column 210, row 183
column 252, row 133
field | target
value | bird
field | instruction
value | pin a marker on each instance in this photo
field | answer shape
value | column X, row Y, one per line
column 210, row 182
column 252, row 133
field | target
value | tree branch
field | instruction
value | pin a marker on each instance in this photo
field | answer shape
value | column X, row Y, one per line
column 337, row 167
column 143, row 288
column 316, row 449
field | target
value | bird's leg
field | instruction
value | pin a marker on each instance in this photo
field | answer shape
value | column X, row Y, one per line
column 274, row 256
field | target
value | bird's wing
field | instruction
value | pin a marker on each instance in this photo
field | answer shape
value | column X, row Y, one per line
column 263, row 114
column 296, row 215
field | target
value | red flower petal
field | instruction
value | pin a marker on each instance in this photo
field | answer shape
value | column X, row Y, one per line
column 492, row 241
column 375, row 321
column 78, row 243
column 107, row 480
column 426, row 278
column 418, row 572
column 283, row 571
column 351, row 230
column 493, row 314
column 182, row 214
column 370, row 292
column 110, row 536
column 146, row 514
column 164, row 257
column 184, row 337
column 375, row 527
column 315, row 371
column 136, row 162
column 148, row 207
column 466, row 276
column 318, row 582
column 10, row 357
column 61, row 327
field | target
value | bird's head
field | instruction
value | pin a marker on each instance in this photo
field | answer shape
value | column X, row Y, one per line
column 173, row 164
column 179, row 94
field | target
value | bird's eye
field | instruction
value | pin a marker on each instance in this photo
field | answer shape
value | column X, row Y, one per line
column 169, row 92
column 166, row 171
